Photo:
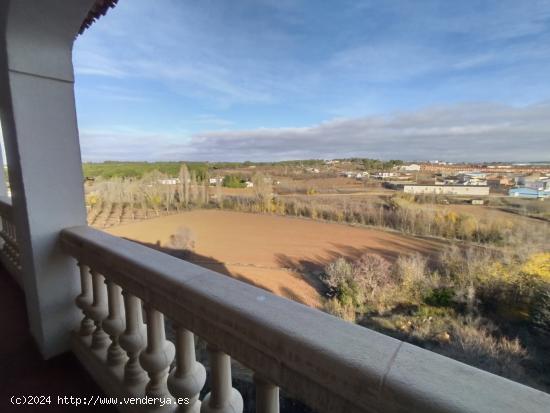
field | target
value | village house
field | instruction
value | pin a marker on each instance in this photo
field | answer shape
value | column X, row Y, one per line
column 215, row 180
column 473, row 178
column 169, row 181
column 347, row 174
column 528, row 192
column 535, row 180
column 410, row 168
column 474, row 190
column 384, row 175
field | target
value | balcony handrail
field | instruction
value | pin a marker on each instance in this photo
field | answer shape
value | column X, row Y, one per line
column 331, row 365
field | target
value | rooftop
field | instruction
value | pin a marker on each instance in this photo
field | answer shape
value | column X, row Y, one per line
column 99, row 9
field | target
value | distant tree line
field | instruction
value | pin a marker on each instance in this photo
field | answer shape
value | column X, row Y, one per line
column 112, row 169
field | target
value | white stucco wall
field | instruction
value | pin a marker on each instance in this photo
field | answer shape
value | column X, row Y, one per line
column 447, row 190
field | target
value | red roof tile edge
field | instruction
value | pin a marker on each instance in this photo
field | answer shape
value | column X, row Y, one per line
column 99, row 9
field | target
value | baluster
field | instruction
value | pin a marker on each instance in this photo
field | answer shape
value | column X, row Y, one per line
column 17, row 251
column 157, row 356
column 98, row 311
column 8, row 243
column 267, row 395
column 3, row 234
column 133, row 339
column 114, row 324
column 223, row 398
column 189, row 376
column 84, row 300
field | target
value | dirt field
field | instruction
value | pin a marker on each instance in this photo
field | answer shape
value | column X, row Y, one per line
column 281, row 254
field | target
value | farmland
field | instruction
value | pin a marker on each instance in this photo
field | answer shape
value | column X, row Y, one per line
column 282, row 255
column 468, row 280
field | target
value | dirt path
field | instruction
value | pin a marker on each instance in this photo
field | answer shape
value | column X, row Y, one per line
column 280, row 254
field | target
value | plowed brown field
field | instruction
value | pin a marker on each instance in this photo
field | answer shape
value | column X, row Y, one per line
column 280, row 254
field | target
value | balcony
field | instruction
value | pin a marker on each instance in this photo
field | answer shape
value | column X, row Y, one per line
column 107, row 300
column 29, row 373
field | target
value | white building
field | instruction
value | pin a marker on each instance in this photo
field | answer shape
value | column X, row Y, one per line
column 410, row 168
column 473, row 178
column 474, row 190
column 384, row 175
column 169, row 181
column 534, row 181
column 215, row 180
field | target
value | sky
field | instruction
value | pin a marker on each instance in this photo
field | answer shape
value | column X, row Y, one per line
column 261, row 80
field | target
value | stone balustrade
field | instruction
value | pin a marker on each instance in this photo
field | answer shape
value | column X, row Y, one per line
column 9, row 249
column 331, row 365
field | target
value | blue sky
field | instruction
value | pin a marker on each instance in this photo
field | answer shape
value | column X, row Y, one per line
column 278, row 79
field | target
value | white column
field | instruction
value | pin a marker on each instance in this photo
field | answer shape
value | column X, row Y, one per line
column 223, row 398
column 98, row 312
column 133, row 339
column 42, row 148
column 267, row 395
column 114, row 324
column 158, row 355
column 85, row 300
column 189, row 376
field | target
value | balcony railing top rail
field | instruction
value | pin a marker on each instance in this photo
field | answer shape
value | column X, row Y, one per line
column 331, row 365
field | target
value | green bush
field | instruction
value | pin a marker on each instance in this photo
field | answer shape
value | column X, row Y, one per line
column 233, row 181
column 440, row 297
column 540, row 310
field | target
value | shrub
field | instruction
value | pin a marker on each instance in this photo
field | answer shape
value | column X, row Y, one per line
column 366, row 280
column 540, row 310
column 451, row 261
column 538, row 266
column 183, row 239
column 373, row 273
column 440, row 297
column 474, row 341
column 233, row 181
column 340, row 277
column 335, row 307
column 337, row 273
column 415, row 281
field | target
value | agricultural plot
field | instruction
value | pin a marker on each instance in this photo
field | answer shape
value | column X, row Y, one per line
column 281, row 254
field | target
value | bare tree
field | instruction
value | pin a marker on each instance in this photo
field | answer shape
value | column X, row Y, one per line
column 205, row 192
column 263, row 190
column 169, row 195
column 219, row 191
column 184, row 184
column 193, row 188
column 129, row 191
column 152, row 190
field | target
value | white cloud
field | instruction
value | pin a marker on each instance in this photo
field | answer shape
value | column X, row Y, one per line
column 476, row 132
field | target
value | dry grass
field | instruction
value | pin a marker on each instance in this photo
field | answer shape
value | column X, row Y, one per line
column 474, row 341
